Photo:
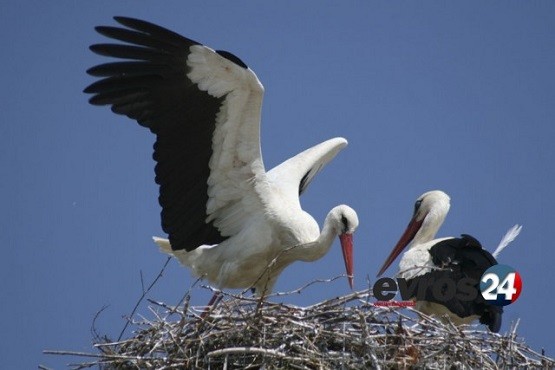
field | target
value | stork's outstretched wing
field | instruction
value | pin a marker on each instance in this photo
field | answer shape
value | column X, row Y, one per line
column 204, row 107
column 299, row 170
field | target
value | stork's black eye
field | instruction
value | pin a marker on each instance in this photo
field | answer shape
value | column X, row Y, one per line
column 345, row 223
column 417, row 205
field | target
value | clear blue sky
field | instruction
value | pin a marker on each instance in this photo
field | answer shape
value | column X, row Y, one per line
column 457, row 96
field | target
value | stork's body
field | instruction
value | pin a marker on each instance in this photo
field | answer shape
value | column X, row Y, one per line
column 449, row 258
column 226, row 217
column 231, row 264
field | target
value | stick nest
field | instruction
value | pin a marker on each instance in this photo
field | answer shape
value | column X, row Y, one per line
column 346, row 332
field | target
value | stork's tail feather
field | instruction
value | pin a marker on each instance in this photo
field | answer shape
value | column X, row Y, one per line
column 492, row 318
column 188, row 259
column 163, row 244
column 507, row 239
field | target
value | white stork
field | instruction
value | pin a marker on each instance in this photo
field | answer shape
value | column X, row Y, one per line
column 452, row 258
column 227, row 218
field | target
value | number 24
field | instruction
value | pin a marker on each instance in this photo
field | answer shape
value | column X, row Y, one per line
column 506, row 287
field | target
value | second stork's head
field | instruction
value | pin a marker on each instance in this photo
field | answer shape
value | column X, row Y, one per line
column 430, row 210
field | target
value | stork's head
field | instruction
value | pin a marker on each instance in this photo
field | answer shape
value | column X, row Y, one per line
column 345, row 222
column 430, row 210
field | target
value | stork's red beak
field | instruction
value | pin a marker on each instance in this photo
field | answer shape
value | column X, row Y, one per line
column 347, row 248
column 406, row 238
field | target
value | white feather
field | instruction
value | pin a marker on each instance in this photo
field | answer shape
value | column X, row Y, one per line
column 507, row 239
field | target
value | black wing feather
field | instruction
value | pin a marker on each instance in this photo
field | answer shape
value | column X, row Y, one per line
column 464, row 258
column 127, row 68
column 151, row 86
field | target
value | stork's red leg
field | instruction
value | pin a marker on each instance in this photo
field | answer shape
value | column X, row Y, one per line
column 212, row 303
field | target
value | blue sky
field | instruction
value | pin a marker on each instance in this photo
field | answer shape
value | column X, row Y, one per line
column 457, row 96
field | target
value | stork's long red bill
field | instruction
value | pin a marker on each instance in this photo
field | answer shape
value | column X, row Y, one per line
column 405, row 239
column 347, row 248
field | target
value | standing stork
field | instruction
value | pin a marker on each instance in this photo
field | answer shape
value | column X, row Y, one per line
column 452, row 258
column 228, row 219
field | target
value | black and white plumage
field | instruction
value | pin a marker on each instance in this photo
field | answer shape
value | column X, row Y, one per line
column 226, row 217
column 452, row 258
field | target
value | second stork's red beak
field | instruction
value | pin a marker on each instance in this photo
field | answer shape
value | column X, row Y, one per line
column 347, row 248
column 405, row 239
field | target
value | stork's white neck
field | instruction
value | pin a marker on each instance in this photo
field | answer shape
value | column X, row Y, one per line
column 427, row 232
column 318, row 248
column 336, row 221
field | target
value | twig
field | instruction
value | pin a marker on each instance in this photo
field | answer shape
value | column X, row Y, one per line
column 245, row 350
column 300, row 289
column 143, row 295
